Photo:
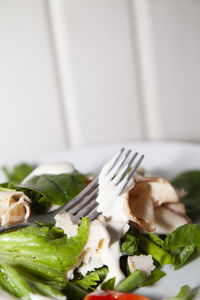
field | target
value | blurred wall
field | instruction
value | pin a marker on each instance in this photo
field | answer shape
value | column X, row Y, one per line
column 82, row 72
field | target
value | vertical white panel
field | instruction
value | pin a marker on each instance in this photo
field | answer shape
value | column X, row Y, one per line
column 30, row 114
column 141, row 22
column 167, row 40
column 176, row 30
column 94, row 48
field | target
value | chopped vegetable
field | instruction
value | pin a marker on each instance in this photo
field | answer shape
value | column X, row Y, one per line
column 134, row 280
column 159, row 254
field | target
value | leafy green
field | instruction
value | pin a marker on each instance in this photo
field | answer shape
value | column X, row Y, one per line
column 49, row 189
column 186, row 293
column 182, row 255
column 34, row 259
column 190, row 182
column 18, row 172
column 74, row 292
column 21, row 285
column 36, row 250
column 92, row 279
column 134, row 280
column 129, row 244
column 108, row 284
column 182, row 242
column 46, row 290
column 13, row 283
column 5, row 189
column 89, row 282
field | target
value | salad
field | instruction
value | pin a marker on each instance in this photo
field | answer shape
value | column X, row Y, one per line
column 150, row 225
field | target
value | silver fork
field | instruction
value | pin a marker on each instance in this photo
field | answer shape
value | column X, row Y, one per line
column 84, row 204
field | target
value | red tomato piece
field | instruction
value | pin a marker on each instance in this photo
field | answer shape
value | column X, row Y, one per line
column 112, row 295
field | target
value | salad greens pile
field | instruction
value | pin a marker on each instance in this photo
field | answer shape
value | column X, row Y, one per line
column 34, row 260
column 46, row 189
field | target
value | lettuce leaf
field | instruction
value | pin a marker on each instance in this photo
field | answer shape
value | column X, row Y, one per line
column 12, row 282
column 36, row 250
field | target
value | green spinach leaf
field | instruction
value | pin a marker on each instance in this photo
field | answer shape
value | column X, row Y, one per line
column 190, row 182
column 182, row 242
column 18, row 172
column 56, row 189
column 129, row 244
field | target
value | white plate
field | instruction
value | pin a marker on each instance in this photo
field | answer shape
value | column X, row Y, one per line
column 164, row 159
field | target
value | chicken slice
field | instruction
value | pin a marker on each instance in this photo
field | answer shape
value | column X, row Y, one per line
column 14, row 207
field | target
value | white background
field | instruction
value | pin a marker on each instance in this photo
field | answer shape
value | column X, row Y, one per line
column 83, row 72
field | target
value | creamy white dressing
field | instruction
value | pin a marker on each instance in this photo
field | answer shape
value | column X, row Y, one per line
column 114, row 207
column 54, row 168
column 111, row 254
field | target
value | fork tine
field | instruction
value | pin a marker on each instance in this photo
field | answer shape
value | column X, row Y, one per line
column 87, row 210
column 121, row 174
column 83, row 202
column 93, row 215
column 116, row 157
column 126, row 179
column 81, row 195
column 118, row 165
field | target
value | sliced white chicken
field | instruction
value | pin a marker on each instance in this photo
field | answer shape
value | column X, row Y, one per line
column 14, row 207
column 168, row 220
column 154, row 206
column 64, row 222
